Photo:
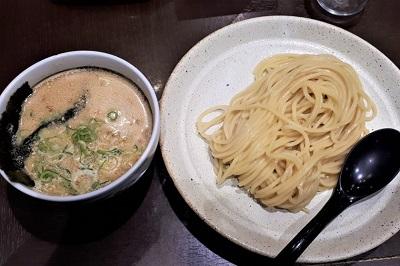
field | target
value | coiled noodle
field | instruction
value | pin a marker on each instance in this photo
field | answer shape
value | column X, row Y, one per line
column 285, row 136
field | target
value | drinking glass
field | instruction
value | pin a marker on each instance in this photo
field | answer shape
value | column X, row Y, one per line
column 343, row 7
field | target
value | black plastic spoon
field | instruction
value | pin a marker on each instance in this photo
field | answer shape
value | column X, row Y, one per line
column 372, row 163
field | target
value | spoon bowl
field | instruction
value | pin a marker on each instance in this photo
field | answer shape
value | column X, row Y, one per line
column 371, row 164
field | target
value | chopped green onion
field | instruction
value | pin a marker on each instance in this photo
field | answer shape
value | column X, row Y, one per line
column 113, row 115
column 102, row 152
column 114, row 151
column 109, row 164
column 68, row 186
column 47, row 175
column 94, row 121
column 97, row 184
column 87, row 158
column 137, row 149
column 43, row 146
column 64, row 172
column 82, row 146
column 109, row 159
column 85, row 168
column 46, row 146
column 65, row 148
column 83, row 133
column 52, row 145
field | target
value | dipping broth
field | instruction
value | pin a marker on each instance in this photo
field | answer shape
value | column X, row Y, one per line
column 98, row 144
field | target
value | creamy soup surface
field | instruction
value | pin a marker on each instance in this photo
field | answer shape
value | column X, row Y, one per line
column 97, row 145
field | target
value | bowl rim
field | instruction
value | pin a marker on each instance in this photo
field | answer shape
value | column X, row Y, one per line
column 146, row 155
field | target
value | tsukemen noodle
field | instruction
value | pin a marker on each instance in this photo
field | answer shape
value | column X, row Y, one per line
column 285, row 137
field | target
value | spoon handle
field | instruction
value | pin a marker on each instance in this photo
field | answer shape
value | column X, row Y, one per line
column 335, row 205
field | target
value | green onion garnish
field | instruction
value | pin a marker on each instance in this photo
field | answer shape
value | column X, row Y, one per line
column 114, row 151
column 83, row 133
column 113, row 115
column 47, row 175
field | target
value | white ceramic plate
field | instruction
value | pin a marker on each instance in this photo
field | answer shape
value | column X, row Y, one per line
column 221, row 65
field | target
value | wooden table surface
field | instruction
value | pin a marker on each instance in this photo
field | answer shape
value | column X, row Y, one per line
column 150, row 224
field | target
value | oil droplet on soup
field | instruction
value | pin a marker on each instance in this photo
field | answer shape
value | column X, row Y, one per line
column 96, row 146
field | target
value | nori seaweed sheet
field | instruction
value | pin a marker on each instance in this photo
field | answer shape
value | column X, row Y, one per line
column 10, row 161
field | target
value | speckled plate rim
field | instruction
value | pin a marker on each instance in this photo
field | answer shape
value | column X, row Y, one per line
column 175, row 175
